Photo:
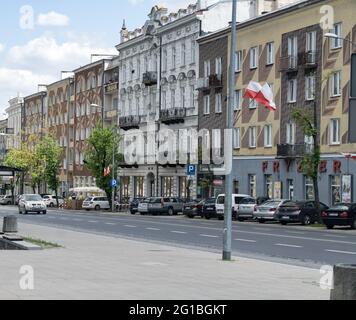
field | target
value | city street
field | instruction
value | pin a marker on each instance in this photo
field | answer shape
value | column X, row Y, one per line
column 296, row 245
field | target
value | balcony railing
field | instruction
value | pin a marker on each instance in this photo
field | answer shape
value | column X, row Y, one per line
column 111, row 87
column 173, row 116
column 293, row 151
column 213, row 81
column 310, row 59
column 129, row 122
column 289, row 63
column 150, row 78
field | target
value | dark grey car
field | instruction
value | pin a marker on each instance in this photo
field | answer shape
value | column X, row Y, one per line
column 165, row 205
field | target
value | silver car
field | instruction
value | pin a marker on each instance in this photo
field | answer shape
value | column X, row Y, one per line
column 32, row 203
column 165, row 205
column 246, row 209
column 267, row 211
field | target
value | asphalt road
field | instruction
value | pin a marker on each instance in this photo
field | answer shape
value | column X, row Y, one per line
column 290, row 244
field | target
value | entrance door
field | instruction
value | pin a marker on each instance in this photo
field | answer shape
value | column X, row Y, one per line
column 290, row 189
column 150, row 185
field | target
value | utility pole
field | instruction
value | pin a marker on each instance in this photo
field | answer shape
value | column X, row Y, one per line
column 113, row 205
column 229, row 154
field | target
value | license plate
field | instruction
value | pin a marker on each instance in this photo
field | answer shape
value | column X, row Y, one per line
column 333, row 214
column 187, row 208
column 285, row 218
column 209, row 209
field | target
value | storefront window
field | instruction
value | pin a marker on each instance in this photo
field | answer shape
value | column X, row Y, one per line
column 335, row 189
column 183, row 183
column 269, row 186
column 252, row 185
column 139, row 187
column 125, row 189
column 309, row 189
column 167, row 186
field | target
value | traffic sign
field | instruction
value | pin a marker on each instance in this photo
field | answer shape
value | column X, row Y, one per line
column 114, row 183
column 191, row 170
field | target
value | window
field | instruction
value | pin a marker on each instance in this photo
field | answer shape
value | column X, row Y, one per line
column 336, row 84
column 124, row 73
column 167, row 186
column 192, row 96
column 293, row 46
column 269, row 186
column 268, row 136
column 138, row 69
column 238, row 61
column 137, row 106
column 164, row 100
column 252, row 185
column 337, row 43
column 253, row 104
column 335, row 186
column 146, row 64
column 310, row 87
column 218, row 103
column 165, row 60
column 238, row 100
column 131, row 71
column 182, row 97
column 270, row 53
column 253, row 57
column 173, row 98
column 183, row 55
column 311, row 41
column 174, row 57
column 192, row 53
column 290, row 133
column 206, row 104
column 218, row 66
column 292, row 91
column 237, row 138
column 335, row 131
column 252, row 137
column 183, row 185
column 139, row 187
column 309, row 189
column 206, row 69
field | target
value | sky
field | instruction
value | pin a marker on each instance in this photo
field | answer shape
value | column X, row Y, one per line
column 41, row 38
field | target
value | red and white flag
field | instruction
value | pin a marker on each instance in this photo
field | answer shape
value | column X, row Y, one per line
column 262, row 94
column 349, row 156
column 107, row 171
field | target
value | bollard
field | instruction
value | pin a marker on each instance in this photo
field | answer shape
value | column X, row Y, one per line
column 10, row 224
column 344, row 282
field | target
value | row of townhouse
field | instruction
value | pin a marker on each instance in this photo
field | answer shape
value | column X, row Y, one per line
column 288, row 49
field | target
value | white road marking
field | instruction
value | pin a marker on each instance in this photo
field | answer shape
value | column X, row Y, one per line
column 245, row 240
column 208, row 236
column 129, row 226
column 333, row 236
column 110, row 224
column 92, row 221
column 295, row 232
column 178, row 232
column 77, row 219
column 287, row 245
column 342, row 252
column 153, row 229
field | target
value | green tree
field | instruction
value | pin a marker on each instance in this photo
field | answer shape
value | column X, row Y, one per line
column 101, row 145
column 49, row 153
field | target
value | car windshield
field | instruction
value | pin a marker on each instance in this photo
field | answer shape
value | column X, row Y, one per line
column 239, row 199
column 33, row 198
column 272, row 204
column 210, row 201
column 221, row 200
column 248, row 201
column 88, row 199
column 341, row 206
column 291, row 204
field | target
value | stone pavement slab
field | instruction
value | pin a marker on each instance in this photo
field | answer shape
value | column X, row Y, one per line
column 91, row 266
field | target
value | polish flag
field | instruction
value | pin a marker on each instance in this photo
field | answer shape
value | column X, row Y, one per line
column 253, row 89
column 349, row 156
column 107, row 171
column 262, row 94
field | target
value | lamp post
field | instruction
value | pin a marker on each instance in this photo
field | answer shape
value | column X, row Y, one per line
column 330, row 35
column 230, row 116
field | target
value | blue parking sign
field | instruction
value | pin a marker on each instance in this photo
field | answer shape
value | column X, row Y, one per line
column 114, row 183
column 191, row 170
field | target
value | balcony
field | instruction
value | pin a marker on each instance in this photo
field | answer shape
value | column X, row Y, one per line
column 213, row 81
column 112, row 86
column 129, row 123
column 288, row 64
column 149, row 78
column 293, row 151
column 310, row 59
column 173, row 116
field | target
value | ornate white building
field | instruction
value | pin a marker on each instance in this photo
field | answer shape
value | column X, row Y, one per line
column 14, row 121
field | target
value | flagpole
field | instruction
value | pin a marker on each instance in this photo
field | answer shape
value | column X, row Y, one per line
column 227, row 250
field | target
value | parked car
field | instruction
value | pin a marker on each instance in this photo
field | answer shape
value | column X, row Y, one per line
column 262, row 200
column 32, row 203
column 143, row 206
column 220, row 204
column 209, row 208
column 246, row 209
column 165, row 205
column 51, row 201
column 17, row 199
column 134, row 205
column 96, row 203
column 193, row 208
column 6, row 200
column 299, row 211
column 267, row 211
column 342, row 214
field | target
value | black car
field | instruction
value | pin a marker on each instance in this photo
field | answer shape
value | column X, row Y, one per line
column 342, row 214
column 209, row 208
column 134, row 205
column 193, row 208
column 299, row 211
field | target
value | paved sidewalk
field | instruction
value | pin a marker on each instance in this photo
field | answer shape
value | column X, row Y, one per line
column 98, row 267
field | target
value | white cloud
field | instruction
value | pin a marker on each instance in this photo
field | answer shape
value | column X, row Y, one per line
column 52, row 19
column 136, row 2
column 2, row 47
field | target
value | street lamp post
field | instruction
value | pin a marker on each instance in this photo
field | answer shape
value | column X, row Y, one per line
column 230, row 116
column 335, row 36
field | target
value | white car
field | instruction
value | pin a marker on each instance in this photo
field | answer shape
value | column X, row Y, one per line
column 51, row 201
column 6, row 200
column 96, row 203
column 220, row 204
column 32, row 203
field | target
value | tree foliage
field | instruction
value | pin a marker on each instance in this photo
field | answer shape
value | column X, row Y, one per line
column 101, row 145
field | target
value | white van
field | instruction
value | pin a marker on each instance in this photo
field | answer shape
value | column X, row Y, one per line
column 220, row 204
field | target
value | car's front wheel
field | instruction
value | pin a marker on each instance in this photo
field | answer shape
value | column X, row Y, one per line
column 306, row 220
column 97, row 208
column 283, row 223
column 261, row 221
column 170, row 212
column 44, row 212
column 330, row 226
